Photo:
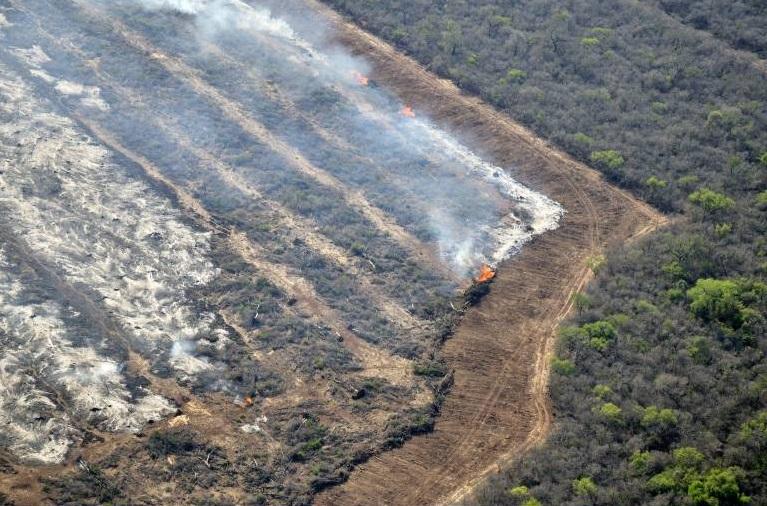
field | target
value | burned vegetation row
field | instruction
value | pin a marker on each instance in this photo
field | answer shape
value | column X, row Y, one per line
column 229, row 258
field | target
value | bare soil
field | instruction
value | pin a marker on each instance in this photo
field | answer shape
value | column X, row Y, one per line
column 500, row 354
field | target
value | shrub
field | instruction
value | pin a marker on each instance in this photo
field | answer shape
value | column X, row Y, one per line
column 640, row 461
column 518, row 491
column 761, row 199
column 687, row 181
column 584, row 486
column 590, row 41
column 673, row 269
column 602, row 391
column 611, row 412
column 654, row 416
column 659, row 107
column 608, row 158
column 755, row 427
column 722, row 229
column 699, row 350
column 562, row 366
column 711, row 201
column 595, row 263
column 688, row 457
column 664, row 481
column 597, row 335
column 582, row 138
column 655, row 183
column 430, row 369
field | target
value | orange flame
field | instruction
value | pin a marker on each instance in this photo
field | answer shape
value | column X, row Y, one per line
column 361, row 79
column 247, row 401
column 486, row 273
column 408, row 112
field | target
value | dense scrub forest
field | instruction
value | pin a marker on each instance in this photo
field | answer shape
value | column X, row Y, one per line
column 659, row 385
column 739, row 22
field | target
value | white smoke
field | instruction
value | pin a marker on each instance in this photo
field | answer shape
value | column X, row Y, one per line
column 215, row 16
column 462, row 244
column 185, row 6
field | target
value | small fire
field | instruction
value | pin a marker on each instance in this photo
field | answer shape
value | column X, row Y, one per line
column 408, row 112
column 247, row 401
column 361, row 79
column 486, row 273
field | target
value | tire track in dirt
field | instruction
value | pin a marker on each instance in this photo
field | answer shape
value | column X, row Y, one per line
column 498, row 407
column 502, row 378
column 540, row 431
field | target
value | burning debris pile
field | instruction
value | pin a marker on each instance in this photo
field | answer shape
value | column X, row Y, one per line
column 486, row 274
column 407, row 112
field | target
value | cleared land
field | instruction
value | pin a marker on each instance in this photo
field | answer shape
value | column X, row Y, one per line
column 500, row 354
column 262, row 249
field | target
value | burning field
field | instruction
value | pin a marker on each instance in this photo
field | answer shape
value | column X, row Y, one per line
column 228, row 257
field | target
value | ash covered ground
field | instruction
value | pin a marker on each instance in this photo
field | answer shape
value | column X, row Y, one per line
column 227, row 257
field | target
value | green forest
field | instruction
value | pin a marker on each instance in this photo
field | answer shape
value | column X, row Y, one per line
column 659, row 385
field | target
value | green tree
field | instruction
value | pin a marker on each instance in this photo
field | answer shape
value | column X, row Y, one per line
column 761, row 199
column 726, row 300
column 655, row 183
column 599, row 334
column 581, row 301
column 655, row 416
column 711, row 201
column 611, row 412
column 608, row 158
column 451, row 37
column 717, row 487
column 562, row 366
column 602, row 391
column 584, row 486
column 640, row 461
column 518, row 491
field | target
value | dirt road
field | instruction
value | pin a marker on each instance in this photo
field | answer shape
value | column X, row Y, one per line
column 500, row 354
